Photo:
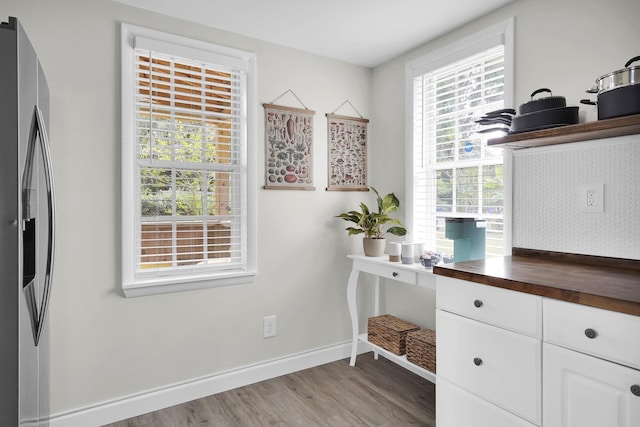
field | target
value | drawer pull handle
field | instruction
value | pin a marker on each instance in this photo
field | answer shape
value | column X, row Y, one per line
column 477, row 303
column 394, row 274
column 635, row 389
column 590, row 333
column 477, row 361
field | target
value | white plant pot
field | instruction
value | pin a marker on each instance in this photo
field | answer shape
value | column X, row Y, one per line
column 374, row 247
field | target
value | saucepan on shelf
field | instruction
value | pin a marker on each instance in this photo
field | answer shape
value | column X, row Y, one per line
column 618, row 92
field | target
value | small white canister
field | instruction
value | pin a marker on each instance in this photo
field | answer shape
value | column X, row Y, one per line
column 395, row 251
column 407, row 253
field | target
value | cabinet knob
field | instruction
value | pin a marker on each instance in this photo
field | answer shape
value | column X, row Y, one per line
column 635, row 389
column 590, row 333
column 477, row 303
column 477, row 361
column 394, row 274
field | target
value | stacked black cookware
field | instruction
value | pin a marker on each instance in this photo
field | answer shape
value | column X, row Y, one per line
column 541, row 113
column 618, row 94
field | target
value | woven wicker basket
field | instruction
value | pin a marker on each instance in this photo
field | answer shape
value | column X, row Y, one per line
column 389, row 332
column 421, row 348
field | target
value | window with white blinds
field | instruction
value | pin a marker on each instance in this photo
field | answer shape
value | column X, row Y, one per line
column 454, row 172
column 188, row 155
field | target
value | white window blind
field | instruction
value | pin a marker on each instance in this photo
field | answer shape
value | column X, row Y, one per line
column 455, row 173
column 188, row 203
column 188, row 140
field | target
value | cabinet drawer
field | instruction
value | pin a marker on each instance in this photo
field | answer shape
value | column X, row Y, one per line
column 389, row 272
column 497, row 365
column 512, row 310
column 476, row 412
column 614, row 336
column 585, row 391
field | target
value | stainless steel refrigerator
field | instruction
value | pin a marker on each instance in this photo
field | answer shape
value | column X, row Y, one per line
column 27, row 230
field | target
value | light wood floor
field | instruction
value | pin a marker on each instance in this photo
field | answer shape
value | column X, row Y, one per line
column 373, row 393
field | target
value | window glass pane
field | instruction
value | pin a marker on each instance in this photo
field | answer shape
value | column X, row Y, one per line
column 188, row 141
column 492, row 189
column 188, row 193
column 445, row 140
column 160, row 138
column 190, row 242
column 467, row 190
column 219, row 185
column 155, row 192
column 156, row 245
column 219, row 240
column 444, row 182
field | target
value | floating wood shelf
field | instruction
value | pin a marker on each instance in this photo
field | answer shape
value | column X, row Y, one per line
column 619, row 126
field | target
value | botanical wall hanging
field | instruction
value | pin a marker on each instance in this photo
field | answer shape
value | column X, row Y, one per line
column 289, row 148
column 347, row 152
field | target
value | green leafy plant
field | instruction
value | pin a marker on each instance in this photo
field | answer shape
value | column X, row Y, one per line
column 372, row 224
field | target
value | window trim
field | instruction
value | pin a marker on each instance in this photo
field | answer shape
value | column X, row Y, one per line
column 500, row 33
column 196, row 49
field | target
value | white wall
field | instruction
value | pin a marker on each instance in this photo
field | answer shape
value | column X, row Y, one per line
column 549, row 189
column 105, row 346
column 563, row 45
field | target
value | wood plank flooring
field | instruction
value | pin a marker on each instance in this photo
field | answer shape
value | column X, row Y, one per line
column 373, row 393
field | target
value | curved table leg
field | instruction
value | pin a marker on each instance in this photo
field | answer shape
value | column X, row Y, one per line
column 352, row 287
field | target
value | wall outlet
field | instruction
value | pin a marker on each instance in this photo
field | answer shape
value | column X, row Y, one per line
column 269, row 325
column 591, row 198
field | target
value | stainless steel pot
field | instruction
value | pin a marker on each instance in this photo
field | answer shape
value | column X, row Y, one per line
column 618, row 92
column 620, row 78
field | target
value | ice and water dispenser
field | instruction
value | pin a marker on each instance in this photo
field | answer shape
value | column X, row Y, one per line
column 468, row 235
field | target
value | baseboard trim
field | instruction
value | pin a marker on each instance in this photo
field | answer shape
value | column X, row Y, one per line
column 153, row 400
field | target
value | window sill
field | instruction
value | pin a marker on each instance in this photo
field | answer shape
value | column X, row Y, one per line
column 178, row 284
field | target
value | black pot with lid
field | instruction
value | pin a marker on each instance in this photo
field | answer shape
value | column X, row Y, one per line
column 544, row 103
column 543, row 113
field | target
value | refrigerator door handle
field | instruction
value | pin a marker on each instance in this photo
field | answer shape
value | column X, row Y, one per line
column 38, row 316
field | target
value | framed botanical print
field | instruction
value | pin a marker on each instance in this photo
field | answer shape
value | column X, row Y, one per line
column 288, row 148
column 347, row 153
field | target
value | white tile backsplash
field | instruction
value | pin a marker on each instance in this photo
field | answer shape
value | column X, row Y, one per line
column 547, row 181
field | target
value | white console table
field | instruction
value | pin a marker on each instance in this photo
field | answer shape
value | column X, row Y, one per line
column 414, row 274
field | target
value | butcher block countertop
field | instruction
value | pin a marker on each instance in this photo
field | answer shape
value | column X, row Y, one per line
column 608, row 283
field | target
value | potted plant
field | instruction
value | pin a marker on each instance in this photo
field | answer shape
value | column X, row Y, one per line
column 372, row 224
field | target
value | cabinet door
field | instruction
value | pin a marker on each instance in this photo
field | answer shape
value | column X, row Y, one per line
column 584, row 391
column 496, row 365
column 458, row 408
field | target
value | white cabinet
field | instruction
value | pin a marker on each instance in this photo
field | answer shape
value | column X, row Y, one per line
column 459, row 408
column 497, row 365
column 580, row 389
column 515, row 359
column 489, row 353
column 585, row 391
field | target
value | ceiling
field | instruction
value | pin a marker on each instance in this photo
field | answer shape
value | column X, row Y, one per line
column 361, row 32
